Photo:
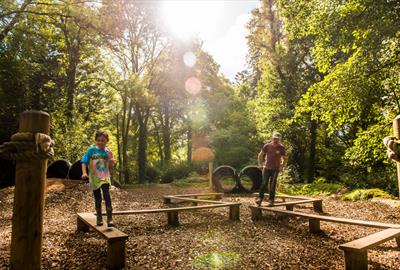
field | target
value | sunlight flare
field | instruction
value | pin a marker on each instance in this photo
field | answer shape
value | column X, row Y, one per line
column 193, row 86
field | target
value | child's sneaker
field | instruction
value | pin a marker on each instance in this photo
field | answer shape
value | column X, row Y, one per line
column 258, row 201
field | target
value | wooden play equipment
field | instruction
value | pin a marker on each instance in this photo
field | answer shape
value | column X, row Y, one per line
column 116, row 238
column 30, row 147
column 355, row 252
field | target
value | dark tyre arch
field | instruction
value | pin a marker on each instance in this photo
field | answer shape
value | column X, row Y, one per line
column 222, row 172
column 75, row 172
column 254, row 173
column 58, row 169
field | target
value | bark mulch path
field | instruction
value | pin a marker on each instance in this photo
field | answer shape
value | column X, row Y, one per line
column 206, row 239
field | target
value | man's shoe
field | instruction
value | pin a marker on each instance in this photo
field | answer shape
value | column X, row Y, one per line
column 258, row 201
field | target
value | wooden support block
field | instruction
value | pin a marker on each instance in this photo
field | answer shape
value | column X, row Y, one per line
column 289, row 207
column 255, row 213
column 194, row 203
column 356, row 260
column 173, row 219
column 314, row 225
column 398, row 241
column 218, row 197
column 318, row 206
column 116, row 253
column 167, row 200
column 234, row 212
column 81, row 226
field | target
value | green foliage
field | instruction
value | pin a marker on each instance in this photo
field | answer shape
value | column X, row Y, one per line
column 153, row 174
column 318, row 187
column 175, row 171
column 382, row 178
column 365, row 194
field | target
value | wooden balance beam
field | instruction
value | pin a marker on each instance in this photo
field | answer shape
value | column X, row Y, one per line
column 172, row 213
column 115, row 239
column 356, row 252
column 314, row 220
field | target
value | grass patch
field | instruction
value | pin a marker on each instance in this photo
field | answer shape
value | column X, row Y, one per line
column 194, row 181
column 365, row 194
column 217, row 260
column 318, row 187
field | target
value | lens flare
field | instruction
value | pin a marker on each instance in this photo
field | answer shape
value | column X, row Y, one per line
column 189, row 59
column 193, row 85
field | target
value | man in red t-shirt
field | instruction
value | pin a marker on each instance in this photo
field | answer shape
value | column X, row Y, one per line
column 275, row 161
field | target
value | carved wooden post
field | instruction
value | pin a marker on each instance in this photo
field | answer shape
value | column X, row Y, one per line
column 396, row 133
column 27, row 222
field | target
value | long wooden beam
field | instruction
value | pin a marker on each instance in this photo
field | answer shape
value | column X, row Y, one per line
column 331, row 219
column 175, row 209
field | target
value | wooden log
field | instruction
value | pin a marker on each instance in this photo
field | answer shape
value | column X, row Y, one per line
column 314, row 225
column 396, row 133
column 116, row 253
column 194, row 203
column 27, row 221
column 255, row 213
column 289, row 207
column 317, row 205
column 173, row 219
column 234, row 212
column 356, row 260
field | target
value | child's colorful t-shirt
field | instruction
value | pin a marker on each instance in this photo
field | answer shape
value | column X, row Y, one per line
column 98, row 163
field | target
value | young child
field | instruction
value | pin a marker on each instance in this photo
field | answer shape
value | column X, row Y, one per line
column 98, row 159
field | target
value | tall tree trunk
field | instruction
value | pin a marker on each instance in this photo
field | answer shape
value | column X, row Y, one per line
column 167, row 136
column 189, row 144
column 119, row 149
column 313, row 143
column 142, row 118
column 125, row 136
column 158, row 140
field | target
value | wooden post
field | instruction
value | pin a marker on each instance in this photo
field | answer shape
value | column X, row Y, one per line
column 256, row 213
column 314, row 225
column 116, row 253
column 173, row 219
column 194, row 203
column 27, row 221
column 167, row 200
column 234, row 212
column 210, row 172
column 356, row 260
column 317, row 205
column 289, row 207
column 396, row 133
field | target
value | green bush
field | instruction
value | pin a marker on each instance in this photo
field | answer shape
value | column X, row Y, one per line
column 318, row 187
column 175, row 171
column 365, row 194
column 381, row 178
column 152, row 173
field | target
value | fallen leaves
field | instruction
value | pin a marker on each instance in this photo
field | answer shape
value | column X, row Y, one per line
column 206, row 239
